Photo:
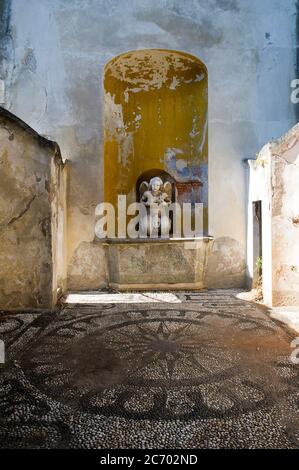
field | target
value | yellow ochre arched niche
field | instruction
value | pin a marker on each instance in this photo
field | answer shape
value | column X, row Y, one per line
column 155, row 117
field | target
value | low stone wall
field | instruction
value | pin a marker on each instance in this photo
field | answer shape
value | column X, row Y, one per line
column 157, row 264
column 30, row 173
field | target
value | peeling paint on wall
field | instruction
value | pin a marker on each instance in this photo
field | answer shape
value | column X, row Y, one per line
column 63, row 98
column 155, row 118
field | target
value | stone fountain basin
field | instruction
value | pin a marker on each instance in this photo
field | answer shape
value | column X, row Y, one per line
column 160, row 264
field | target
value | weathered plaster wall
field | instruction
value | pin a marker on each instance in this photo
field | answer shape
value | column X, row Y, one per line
column 6, row 47
column 56, row 51
column 285, row 219
column 259, row 189
column 27, row 238
column 58, row 199
column 274, row 177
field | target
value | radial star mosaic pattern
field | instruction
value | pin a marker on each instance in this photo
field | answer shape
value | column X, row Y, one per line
column 211, row 371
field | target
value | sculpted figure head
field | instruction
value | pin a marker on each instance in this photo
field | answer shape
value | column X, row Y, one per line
column 156, row 184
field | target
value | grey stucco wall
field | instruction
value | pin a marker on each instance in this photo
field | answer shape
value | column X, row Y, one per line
column 55, row 51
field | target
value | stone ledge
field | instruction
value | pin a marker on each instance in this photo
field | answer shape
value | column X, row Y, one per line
column 132, row 241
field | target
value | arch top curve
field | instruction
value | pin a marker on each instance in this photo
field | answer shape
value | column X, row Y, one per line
column 153, row 68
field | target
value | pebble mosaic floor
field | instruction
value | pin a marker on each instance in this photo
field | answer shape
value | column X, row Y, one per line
column 208, row 371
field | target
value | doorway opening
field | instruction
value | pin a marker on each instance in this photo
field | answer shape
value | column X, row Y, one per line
column 257, row 245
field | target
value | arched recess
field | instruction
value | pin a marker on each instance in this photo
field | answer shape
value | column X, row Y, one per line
column 155, row 117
